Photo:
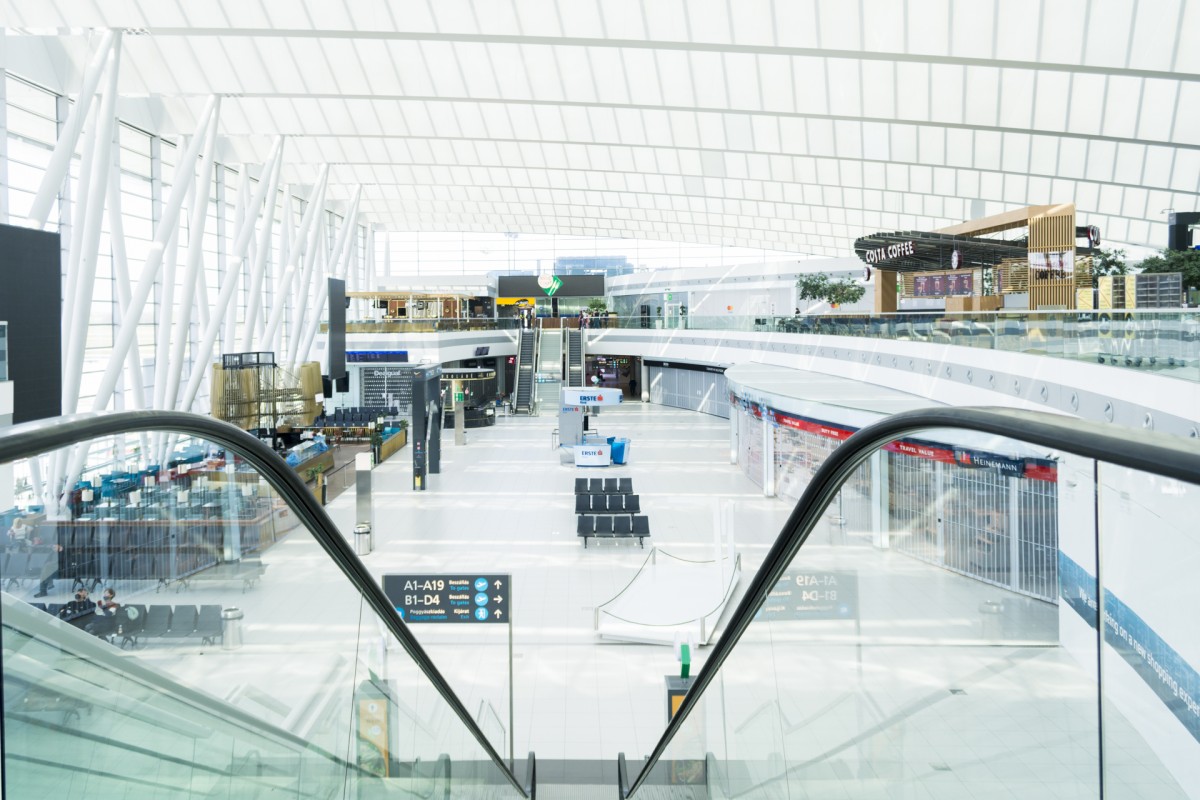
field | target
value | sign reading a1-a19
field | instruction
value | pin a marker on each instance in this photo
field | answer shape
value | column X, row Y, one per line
column 450, row 598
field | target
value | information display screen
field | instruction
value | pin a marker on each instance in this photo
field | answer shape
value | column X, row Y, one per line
column 953, row 284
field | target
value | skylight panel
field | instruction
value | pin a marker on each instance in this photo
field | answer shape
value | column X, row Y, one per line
column 931, row 144
column 1062, row 30
column 766, row 133
column 1184, row 178
column 631, row 124
column 497, row 18
column 675, row 74
column 410, row 66
column 1017, row 35
column 1158, row 104
column 928, row 27
column 1187, row 119
column 1085, row 113
column 576, row 74
column 739, row 133
column 1124, row 95
column 741, row 78
column 623, row 19
column 912, row 91
column 809, row 76
column 1130, row 159
column 712, row 131
column 543, row 70
column 796, row 23
column 603, row 124
column 947, row 92
column 845, row 96
column 1107, row 41
column 454, row 15
column 581, row 19
column 1050, row 101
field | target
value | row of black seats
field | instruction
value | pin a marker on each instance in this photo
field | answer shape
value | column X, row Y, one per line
column 133, row 623
column 355, row 417
column 608, row 504
column 16, row 566
column 603, row 486
column 613, row 527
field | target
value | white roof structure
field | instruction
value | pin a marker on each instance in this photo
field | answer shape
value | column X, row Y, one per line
column 792, row 125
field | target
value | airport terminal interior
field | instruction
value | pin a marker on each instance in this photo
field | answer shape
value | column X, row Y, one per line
column 663, row 399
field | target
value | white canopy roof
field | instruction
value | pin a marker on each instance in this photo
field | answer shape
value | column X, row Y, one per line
column 792, row 125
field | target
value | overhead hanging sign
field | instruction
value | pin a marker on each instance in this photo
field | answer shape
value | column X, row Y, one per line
column 474, row 598
column 591, row 397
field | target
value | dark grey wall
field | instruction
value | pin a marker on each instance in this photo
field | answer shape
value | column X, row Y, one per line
column 337, row 329
column 31, row 304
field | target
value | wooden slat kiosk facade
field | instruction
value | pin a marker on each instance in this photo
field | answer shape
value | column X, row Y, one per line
column 1052, row 275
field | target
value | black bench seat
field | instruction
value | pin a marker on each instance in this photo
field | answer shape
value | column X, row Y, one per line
column 625, row 526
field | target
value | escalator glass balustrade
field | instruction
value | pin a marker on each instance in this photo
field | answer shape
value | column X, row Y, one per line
column 929, row 625
column 238, row 648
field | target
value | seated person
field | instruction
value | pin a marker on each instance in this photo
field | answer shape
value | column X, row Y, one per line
column 108, row 606
column 78, row 607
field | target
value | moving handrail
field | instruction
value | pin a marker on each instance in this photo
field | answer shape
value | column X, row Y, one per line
column 1146, row 451
column 33, row 438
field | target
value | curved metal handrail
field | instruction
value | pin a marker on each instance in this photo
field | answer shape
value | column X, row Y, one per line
column 1146, row 451
column 34, row 438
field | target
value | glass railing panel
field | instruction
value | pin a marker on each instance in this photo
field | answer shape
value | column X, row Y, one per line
column 229, row 654
column 1149, row 554
column 1150, row 341
column 936, row 636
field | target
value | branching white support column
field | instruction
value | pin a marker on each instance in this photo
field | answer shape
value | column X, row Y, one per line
column 229, row 335
column 80, row 206
column 127, row 332
column 195, row 263
column 285, row 286
column 315, row 242
column 60, row 159
column 341, row 259
column 84, row 276
column 116, row 227
column 255, row 298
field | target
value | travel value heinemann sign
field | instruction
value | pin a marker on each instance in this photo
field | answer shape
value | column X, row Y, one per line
column 549, row 283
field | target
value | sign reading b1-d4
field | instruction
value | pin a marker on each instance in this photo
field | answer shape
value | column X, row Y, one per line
column 475, row 598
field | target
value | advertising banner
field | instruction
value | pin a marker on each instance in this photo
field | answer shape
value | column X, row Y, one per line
column 593, row 455
column 591, row 397
column 955, row 284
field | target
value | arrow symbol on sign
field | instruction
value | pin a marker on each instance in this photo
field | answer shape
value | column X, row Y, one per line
column 498, row 584
column 498, row 599
column 498, row 613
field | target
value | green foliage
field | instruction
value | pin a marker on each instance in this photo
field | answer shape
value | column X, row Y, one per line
column 597, row 305
column 1109, row 262
column 819, row 286
column 1185, row 261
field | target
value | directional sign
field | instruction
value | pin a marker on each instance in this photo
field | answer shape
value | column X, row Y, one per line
column 809, row 594
column 471, row 598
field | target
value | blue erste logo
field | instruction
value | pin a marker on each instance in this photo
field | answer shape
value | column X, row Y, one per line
column 481, row 599
column 481, row 584
column 481, row 614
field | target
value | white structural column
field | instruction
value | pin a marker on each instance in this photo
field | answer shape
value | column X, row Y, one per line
column 254, row 298
column 282, row 291
column 83, row 278
column 314, row 236
column 229, row 332
column 127, row 331
column 229, row 286
column 133, row 365
column 60, row 159
column 337, row 269
column 195, row 263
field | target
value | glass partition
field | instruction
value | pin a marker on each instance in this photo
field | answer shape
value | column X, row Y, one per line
column 937, row 635
column 173, row 629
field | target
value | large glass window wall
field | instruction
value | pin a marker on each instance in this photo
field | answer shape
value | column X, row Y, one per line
column 148, row 167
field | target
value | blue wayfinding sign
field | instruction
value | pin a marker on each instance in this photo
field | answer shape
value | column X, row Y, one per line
column 471, row 599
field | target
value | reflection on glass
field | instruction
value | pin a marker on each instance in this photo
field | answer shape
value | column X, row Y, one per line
column 174, row 631
column 936, row 635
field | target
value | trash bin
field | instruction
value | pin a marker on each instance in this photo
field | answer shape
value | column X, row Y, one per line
column 363, row 540
column 231, row 628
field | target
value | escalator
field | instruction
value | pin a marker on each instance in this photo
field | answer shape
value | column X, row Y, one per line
column 851, row 668
column 575, row 359
column 526, row 372
column 250, row 653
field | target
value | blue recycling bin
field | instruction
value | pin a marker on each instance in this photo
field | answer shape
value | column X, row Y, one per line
column 620, row 450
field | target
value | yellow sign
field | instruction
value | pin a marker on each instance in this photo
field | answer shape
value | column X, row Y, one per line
column 516, row 301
